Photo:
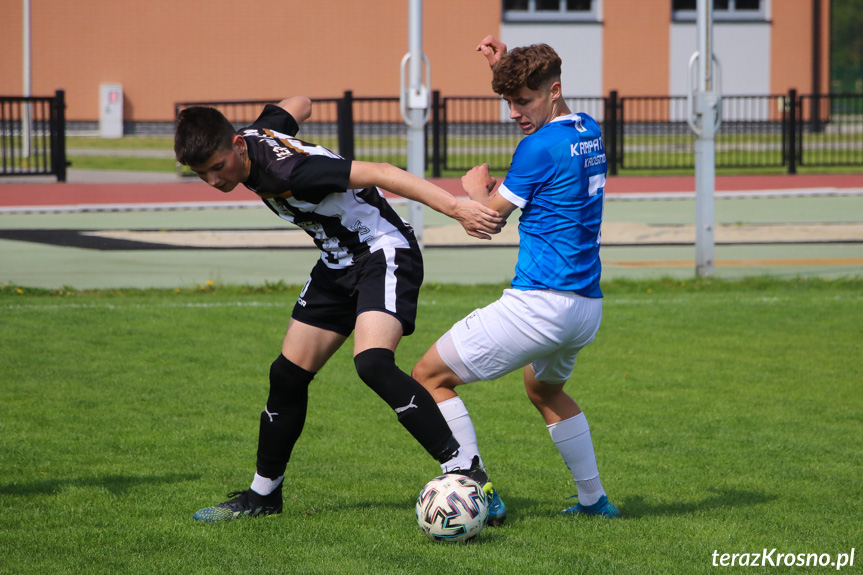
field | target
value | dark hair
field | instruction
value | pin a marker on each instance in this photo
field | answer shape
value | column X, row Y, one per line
column 532, row 66
column 200, row 133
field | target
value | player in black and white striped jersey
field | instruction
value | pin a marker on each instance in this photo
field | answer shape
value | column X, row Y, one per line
column 367, row 280
column 345, row 224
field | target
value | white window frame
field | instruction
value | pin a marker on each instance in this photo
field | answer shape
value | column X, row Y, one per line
column 729, row 15
column 533, row 15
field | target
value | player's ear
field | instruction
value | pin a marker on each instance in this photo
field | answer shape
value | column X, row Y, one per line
column 239, row 144
column 556, row 90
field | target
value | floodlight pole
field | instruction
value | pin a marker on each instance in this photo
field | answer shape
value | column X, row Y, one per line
column 414, row 104
column 705, row 116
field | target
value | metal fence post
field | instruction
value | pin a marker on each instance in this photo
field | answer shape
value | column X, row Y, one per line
column 816, row 125
column 58, row 135
column 792, row 131
column 436, row 133
column 610, row 121
column 444, row 133
column 345, row 128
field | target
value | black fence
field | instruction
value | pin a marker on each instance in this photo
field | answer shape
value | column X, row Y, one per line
column 33, row 136
column 775, row 131
column 644, row 133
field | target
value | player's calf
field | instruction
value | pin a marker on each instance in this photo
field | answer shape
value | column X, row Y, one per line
column 414, row 406
column 283, row 417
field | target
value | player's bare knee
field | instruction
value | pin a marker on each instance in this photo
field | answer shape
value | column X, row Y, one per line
column 423, row 373
column 433, row 377
column 543, row 394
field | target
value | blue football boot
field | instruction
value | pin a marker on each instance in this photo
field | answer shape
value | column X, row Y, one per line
column 603, row 507
column 244, row 503
column 496, row 507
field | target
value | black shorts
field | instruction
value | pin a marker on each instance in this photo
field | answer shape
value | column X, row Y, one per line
column 385, row 280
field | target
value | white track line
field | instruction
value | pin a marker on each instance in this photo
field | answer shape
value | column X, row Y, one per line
column 611, row 196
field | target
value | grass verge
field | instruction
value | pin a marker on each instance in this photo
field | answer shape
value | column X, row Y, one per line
column 726, row 418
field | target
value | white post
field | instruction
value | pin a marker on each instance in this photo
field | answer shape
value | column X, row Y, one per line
column 26, row 122
column 705, row 118
column 415, row 108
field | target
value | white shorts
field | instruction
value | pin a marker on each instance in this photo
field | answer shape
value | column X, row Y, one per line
column 542, row 328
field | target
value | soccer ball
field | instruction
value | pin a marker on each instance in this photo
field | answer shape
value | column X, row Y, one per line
column 452, row 507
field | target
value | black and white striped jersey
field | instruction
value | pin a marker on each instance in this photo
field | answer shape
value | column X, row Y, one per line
column 345, row 224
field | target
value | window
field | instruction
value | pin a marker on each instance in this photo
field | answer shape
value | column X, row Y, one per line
column 722, row 9
column 546, row 10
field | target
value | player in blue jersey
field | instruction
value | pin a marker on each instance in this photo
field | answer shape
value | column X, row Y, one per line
column 554, row 308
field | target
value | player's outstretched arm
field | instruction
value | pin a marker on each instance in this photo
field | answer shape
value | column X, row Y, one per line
column 479, row 185
column 299, row 107
column 477, row 220
column 492, row 49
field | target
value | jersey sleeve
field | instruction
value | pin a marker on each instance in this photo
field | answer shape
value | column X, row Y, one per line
column 278, row 119
column 314, row 177
column 531, row 166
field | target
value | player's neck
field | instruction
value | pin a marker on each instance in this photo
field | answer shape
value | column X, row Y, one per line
column 247, row 166
column 560, row 109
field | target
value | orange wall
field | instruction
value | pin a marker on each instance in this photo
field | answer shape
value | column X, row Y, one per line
column 165, row 51
column 791, row 46
column 635, row 46
column 10, row 47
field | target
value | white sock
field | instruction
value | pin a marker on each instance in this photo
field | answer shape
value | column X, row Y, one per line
column 572, row 439
column 456, row 415
column 264, row 485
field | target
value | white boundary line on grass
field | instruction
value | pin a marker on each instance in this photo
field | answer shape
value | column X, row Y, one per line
column 648, row 299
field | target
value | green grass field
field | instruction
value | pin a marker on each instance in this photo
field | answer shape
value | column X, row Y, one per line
column 727, row 418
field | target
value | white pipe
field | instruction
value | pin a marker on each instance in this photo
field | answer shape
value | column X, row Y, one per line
column 705, row 144
column 25, row 118
column 417, row 108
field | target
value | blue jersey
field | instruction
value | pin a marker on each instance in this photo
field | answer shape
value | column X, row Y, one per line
column 557, row 178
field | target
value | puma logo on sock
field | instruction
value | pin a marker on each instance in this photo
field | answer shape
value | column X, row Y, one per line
column 408, row 406
column 270, row 415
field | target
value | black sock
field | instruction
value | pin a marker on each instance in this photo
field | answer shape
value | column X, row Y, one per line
column 413, row 404
column 284, row 416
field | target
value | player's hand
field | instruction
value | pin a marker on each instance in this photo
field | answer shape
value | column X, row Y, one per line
column 477, row 220
column 492, row 49
column 478, row 183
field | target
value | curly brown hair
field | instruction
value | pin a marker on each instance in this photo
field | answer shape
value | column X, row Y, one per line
column 532, row 66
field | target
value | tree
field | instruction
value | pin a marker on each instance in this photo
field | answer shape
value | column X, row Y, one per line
column 846, row 46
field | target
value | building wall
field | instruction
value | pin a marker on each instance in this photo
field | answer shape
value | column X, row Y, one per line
column 791, row 46
column 10, row 47
column 165, row 51
column 742, row 49
column 636, row 44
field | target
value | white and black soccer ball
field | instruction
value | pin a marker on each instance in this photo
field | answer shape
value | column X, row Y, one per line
column 452, row 507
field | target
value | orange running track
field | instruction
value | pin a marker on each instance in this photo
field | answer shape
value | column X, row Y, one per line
column 194, row 192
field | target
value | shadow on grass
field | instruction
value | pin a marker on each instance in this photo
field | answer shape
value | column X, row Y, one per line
column 521, row 508
column 114, row 484
column 340, row 505
column 722, row 498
